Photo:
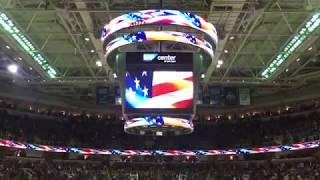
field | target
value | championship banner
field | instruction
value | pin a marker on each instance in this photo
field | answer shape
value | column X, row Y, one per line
column 215, row 95
column 244, row 96
column 117, row 96
column 102, row 95
column 231, row 96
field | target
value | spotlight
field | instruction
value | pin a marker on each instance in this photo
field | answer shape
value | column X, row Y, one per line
column 99, row 63
column 12, row 68
column 159, row 133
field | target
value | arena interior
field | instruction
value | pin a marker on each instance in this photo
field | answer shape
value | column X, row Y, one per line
column 160, row 89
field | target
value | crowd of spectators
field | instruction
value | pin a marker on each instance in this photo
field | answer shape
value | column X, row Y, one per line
column 85, row 131
column 44, row 170
column 11, row 169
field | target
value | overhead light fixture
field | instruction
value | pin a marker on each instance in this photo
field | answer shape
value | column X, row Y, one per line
column 92, row 50
column 203, row 76
column 87, row 39
column 293, row 44
column 231, row 37
column 310, row 48
column 298, row 60
column 12, row 68
column 220, row 62
column 8, row 47
column 287, row 70
column 115, row 75
column 30, row 68
column 99, row 63
column 226, row 51
column 218, row 66
column 9, row 26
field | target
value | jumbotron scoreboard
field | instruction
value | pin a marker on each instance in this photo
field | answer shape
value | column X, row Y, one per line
column 159, row 56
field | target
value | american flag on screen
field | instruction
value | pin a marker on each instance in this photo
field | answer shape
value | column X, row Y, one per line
column 159, row 89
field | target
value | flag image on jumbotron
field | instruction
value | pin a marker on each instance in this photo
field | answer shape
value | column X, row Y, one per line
column 158, row 89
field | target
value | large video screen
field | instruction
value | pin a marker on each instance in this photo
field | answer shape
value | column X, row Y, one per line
column 148, row 89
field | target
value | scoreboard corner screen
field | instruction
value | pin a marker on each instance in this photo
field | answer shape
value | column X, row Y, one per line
column 159, row 82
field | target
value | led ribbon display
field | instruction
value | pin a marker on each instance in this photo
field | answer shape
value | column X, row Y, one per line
column 269, row 149
column 147, row 36
column 292, row 45
column 158, row 121
column 159, row 17
column 15, row 33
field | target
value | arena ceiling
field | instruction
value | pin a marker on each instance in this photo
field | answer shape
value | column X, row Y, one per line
column 251, row 34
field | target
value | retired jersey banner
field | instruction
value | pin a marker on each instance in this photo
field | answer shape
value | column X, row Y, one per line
column 244, row 96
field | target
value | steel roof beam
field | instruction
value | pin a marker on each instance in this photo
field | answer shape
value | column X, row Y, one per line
column 87, row 20
column 243, row 43
column 304, row 64
column 119, row 12
column 85, row 59
column 285, row 18
column 222, row 42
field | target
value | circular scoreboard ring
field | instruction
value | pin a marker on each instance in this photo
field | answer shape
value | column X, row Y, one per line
column 158, row 126
column 159, row 17
column 156, row 36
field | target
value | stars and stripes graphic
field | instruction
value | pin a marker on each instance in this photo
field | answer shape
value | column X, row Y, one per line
column 159, row 89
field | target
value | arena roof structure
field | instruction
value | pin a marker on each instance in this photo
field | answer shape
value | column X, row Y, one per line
column 266, row 44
